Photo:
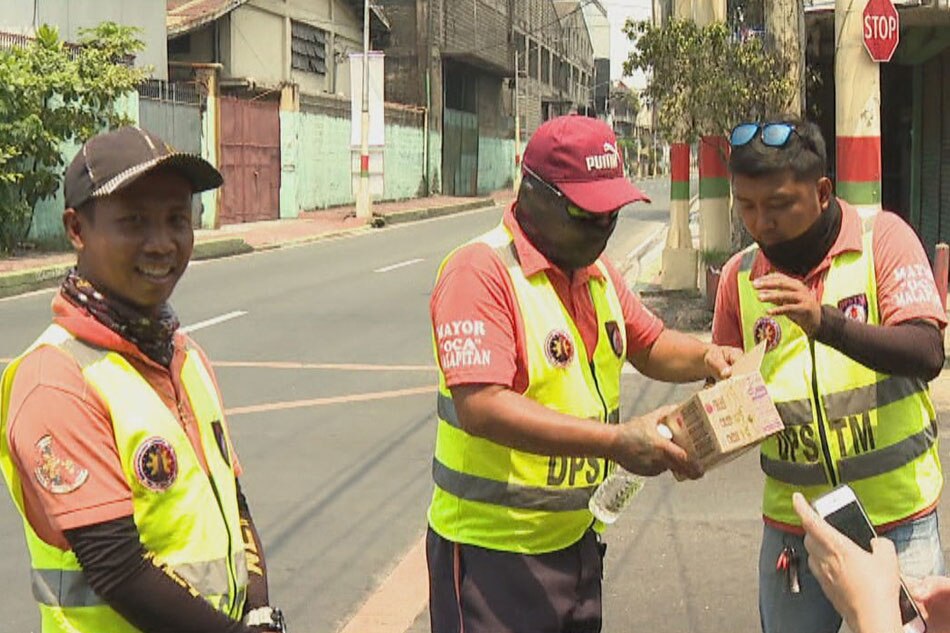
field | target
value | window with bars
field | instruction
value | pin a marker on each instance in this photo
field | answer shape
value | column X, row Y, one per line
column 308, row 47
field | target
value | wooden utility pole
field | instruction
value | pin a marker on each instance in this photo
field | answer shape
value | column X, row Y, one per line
column 785, row 28
column 679, row 257
column 857, row 111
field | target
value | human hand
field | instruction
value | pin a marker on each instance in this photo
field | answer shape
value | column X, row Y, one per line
column 791, row 298
column 640, row 448
column 932, row 595
column 862, row 586
column 719, row 361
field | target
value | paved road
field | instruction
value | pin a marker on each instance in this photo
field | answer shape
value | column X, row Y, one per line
column 337, row 446
column 325, row 363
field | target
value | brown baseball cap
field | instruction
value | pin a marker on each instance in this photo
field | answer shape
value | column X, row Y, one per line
column 110, row 161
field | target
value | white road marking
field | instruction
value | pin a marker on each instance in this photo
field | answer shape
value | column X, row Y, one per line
column 33, row 293
column 214, row 321
column 386, row 269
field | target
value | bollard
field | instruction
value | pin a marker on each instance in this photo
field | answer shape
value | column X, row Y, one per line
column 942, row 271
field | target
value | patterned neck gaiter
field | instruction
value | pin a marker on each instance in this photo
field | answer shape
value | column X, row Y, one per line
column 154, row 336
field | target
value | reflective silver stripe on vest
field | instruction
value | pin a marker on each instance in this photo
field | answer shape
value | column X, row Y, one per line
column 884, row 460
column 210, row 578
column 69, row 588
column 447, row 412
column 500, row 493
column 508, row 254
column 84, row 353
column 795, row 412
column 856, row 401
column 812, row 474
column 747, row 258
column 63, row 588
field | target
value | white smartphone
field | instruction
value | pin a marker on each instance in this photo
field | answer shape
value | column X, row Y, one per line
column 842, row 510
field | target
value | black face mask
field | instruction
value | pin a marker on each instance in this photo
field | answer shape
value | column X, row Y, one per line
column 800, row 255
column 567, row 242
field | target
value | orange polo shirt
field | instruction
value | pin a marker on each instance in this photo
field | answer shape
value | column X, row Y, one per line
column 905, row 283
column 55, row 415
column 474, row 300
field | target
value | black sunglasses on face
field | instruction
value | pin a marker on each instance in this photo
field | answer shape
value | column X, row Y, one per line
column 572, row 209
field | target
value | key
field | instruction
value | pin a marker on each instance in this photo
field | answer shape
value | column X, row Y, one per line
column 792, row 571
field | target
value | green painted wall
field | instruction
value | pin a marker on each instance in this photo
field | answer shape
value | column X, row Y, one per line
column 289, row 130
column 322, row 160
column 496, row 163
column 47, row 226
column 209, row 199
column 319, row 173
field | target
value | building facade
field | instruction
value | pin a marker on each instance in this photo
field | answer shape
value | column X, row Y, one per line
column 487, row 71
column 70, row 16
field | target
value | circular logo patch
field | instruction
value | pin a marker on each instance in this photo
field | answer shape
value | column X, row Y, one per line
column 767, row 329
column 156, row 464
column 559, row 348
column 616, row 338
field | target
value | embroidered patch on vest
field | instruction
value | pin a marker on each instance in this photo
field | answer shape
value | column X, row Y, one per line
column 156, row 464
column 855, row 308
column 559, row 348
column 767, row 329
column 616, row 339
column 54, row 473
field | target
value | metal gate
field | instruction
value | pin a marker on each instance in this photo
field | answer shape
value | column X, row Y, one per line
column 459, row 153
column 172, row 111
column 250, row 160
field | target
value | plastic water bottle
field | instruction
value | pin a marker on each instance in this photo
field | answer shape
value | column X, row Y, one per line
column 619, row 488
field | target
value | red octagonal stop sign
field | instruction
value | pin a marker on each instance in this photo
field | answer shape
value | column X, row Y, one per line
column 881, row 29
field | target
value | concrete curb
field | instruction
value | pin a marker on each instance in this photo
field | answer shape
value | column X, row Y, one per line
column 223, row 247
column 411, row 215
column 22, row 281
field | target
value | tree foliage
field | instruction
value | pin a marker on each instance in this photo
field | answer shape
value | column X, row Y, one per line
column 52, row 93
column 703, row 79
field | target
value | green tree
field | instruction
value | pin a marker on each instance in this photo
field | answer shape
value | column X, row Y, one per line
column 51, row 93
column 705, row 80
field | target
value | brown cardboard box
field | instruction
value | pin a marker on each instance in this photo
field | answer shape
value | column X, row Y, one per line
column 728, row 418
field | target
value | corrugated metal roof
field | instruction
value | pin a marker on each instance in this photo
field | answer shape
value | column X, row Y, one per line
column 183, row 16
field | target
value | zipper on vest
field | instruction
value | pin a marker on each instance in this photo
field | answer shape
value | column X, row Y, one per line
column 233, row 590
column 825, row 447
column 603, row 402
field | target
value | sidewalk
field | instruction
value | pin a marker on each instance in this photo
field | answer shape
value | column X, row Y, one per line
column 37, row 270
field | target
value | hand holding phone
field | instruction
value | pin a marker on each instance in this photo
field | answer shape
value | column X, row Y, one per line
column 864, row 588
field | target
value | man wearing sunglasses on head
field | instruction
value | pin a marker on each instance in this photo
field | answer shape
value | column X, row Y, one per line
column 532, row 326
column 853, row 327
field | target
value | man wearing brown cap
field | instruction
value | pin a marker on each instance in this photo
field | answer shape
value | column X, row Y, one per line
column 113, row 440
column 532, row 326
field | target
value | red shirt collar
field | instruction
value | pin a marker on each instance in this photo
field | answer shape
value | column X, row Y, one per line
column 850, row 239
column 86, row 328
column 533, row 261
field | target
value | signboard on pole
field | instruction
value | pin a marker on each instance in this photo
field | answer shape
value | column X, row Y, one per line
column 377, row 123
column 377, row 136
column 882, row 29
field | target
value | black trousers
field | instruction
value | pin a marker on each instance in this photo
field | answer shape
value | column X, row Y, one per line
column 476, row 590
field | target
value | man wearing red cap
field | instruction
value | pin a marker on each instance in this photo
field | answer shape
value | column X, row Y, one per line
column 531, row 327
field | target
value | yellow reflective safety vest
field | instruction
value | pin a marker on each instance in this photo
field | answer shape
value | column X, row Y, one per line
column 189, row 521
column 845, row 423
column 501, row 498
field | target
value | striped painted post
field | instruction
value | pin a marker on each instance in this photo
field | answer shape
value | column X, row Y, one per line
column 714, row 217
column 679, row 236
column 679, row 256
column 858, row 111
